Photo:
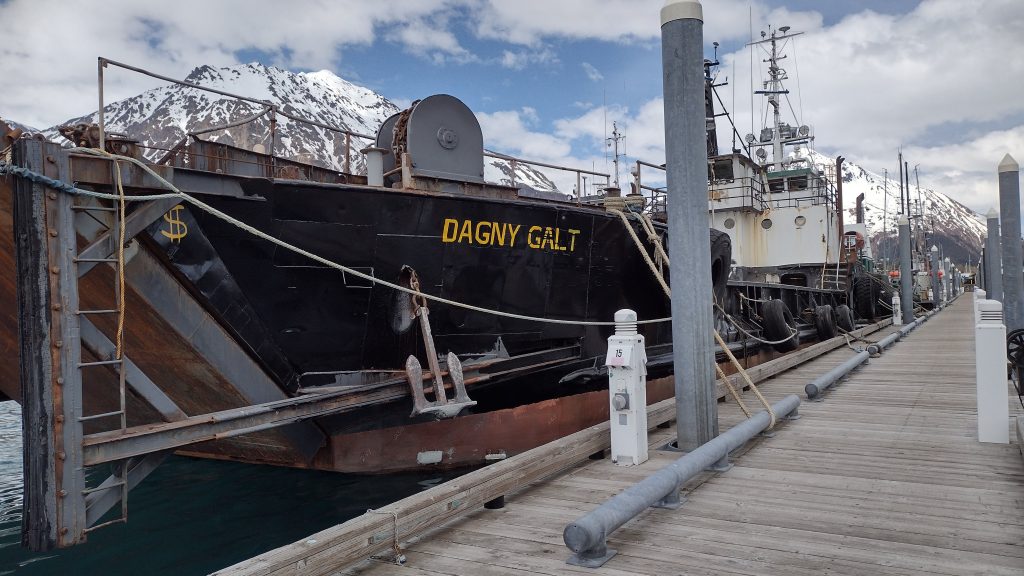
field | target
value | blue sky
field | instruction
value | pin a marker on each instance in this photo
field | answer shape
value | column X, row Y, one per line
column 941, row 78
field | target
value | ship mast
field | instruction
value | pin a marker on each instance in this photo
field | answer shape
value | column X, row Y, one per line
column 781, row 133
column 614, row 141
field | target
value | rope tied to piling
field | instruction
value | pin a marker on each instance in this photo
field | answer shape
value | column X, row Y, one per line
column 399, row 556
column 718, row 337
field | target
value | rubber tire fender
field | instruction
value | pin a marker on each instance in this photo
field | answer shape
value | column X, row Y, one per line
column 721, row 265
column 825, row 322
column 864, row 296
column 844, row 318
column 779, row 323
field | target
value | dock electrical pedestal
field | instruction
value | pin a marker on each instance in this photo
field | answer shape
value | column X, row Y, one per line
column 627, row 391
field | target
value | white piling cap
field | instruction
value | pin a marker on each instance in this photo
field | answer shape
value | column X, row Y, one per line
column 935, row 248
column 625, row 322
column 990, row 312
column 903, row 221
column 625, row 315
column 992, row 214
column 681, row 10
column 1007, row 165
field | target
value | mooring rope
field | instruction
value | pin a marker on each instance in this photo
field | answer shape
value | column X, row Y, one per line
column 399, row 557
column 718, row 337
column 643, row 251
column 736, row 325
column 119, row 347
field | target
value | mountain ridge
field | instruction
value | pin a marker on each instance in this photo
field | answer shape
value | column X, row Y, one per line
column 161, row 117
column 942, row 220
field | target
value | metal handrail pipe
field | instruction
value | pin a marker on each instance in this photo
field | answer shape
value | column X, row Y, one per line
column 104, row 61
column 645, row 163
column 245, row 120
column 826, row 380
column 912, row 326
column 500, row 156
column 322, row 125
column 587, row 535
column 884, row 343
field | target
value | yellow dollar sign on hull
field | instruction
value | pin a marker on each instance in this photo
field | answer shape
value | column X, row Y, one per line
column 176, row 229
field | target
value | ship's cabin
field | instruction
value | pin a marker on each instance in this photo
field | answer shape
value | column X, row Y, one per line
column 797, row 184
column 735, row 183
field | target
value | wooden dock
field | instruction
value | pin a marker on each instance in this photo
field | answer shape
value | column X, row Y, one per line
column 884, row 476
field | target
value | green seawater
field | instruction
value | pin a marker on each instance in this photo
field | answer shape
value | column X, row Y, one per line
column 193, row 516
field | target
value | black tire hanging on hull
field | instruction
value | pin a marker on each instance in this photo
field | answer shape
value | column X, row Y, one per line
column 721, row 266
column 825, row 322
column 779, row 323
column 865, row 293
column 844, row 318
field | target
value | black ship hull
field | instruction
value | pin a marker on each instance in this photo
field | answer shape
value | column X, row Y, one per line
column 299, row 316
column 310, row 324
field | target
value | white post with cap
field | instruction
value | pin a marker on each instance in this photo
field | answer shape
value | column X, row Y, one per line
column 990, row 372
column 627, row 391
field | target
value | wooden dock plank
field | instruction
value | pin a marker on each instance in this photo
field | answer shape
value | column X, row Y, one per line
column 882, row 477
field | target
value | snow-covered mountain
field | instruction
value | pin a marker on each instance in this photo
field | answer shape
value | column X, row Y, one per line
column 161, row 117
column 957, row 229
column 14, row 125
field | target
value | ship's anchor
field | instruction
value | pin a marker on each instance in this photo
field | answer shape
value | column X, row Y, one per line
column 441, row 407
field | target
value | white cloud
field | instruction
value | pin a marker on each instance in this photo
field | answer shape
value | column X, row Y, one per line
column 50, row 47
column 520, row 59
column 580, row 141
column 869, row 83
column 431, row 41
column 509, row 131
column 874, row 82
column 593, row 73
column 528, row 22
column 967, row 170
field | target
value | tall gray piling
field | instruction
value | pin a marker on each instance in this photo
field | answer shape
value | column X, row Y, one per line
column 936, row 287
column 906, row 281
column 1013, row 254
column 682, row 38
column 993, row 259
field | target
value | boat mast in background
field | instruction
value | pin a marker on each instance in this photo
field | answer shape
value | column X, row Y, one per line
column 781, row 134
column 614, row 143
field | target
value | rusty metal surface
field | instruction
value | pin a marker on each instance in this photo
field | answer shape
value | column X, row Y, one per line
column 88, row 136
column 197, row 388
column 155, row 347
column 8, row 296
column 177, row 368
column 227, row 159
column 471, row 439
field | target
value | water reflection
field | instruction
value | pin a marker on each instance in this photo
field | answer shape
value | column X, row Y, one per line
column 194, row 516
